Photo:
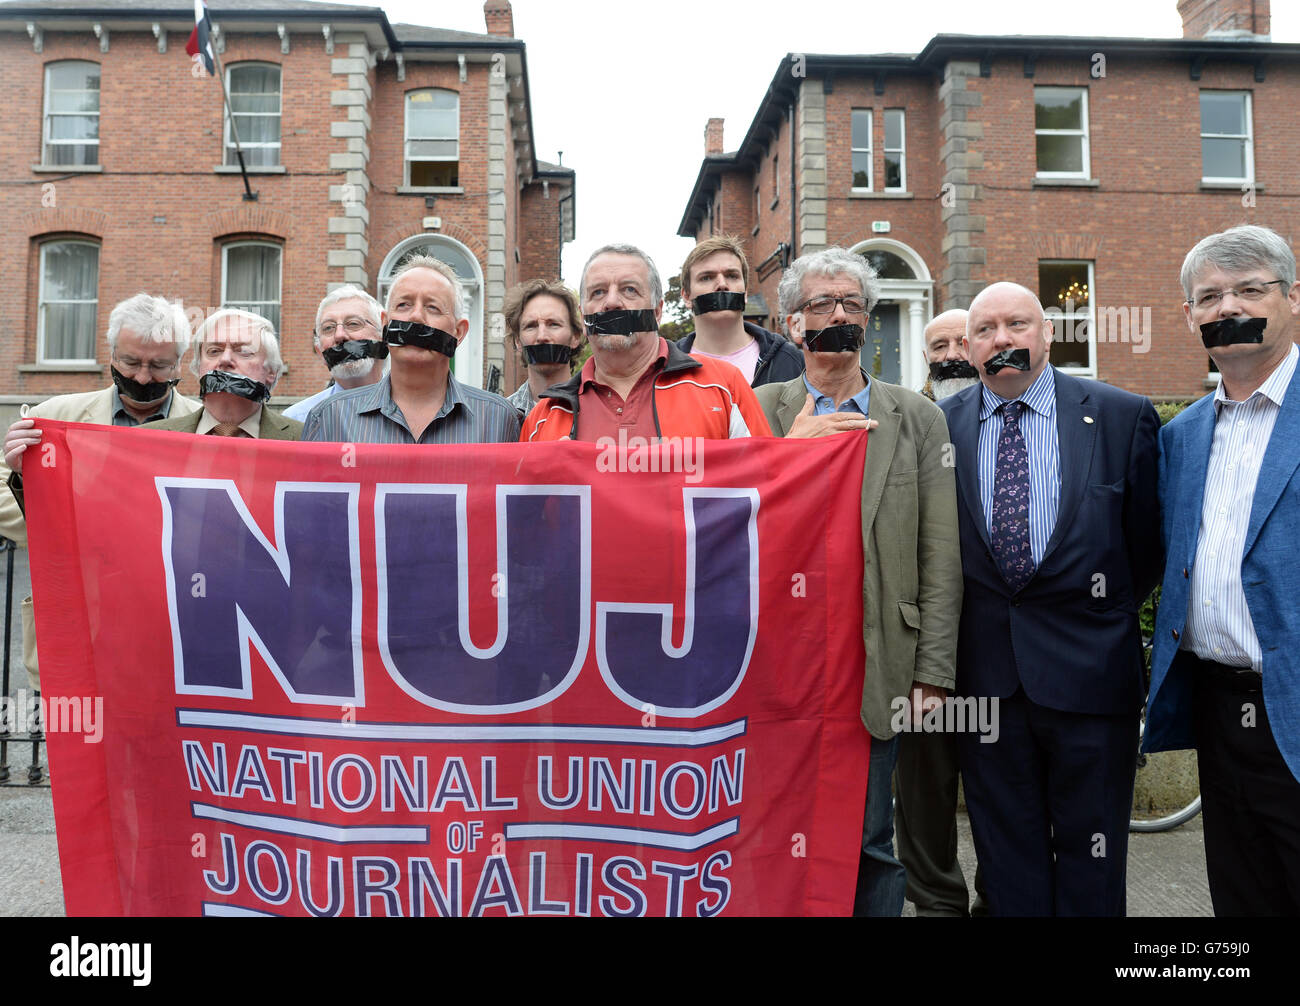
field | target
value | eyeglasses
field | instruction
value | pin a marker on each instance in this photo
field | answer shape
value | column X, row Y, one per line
column 158, row 367
column 352, row 326
column 826, row 305
column 1249, row 291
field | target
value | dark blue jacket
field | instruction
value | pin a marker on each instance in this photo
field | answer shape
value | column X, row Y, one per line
column 779, row 359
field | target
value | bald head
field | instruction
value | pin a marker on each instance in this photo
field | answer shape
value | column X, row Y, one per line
column 943, row 336
column 1002, row 290
column 1007, row 316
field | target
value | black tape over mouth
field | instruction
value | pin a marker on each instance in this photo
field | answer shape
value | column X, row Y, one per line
column 412, row 333
column 544, row 353
column 1016, row 359
column 154, row 391
column 951, row 370
column 836, row 338
column 233, row 384
column 1233, row 331
column 621, row 322
column 718, row 300
column 353, row 350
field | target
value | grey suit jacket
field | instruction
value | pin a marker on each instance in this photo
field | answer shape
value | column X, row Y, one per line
column 273, row 426
column 912, row 579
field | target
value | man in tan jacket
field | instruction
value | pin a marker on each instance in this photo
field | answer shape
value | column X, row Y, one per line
column 912, row 580
column 147, row 337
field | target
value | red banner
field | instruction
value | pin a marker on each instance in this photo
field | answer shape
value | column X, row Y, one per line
column 556, row 679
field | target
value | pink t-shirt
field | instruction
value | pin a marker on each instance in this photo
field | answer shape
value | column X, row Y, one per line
column 744, row 360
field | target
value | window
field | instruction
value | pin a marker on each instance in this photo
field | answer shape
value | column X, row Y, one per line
column 895, row 151
column 758, row 208
column 254, row 90
column 1065, row 289
column 776, row 178
column 433, row 139
column 65, row 327
column 250, row 278
column 1061, row 131
column 1226, row 148
column 861, row 143
column 72, row 114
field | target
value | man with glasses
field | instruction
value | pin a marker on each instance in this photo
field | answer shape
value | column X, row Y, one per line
column 1225, row 668
column 348, row 340
column 147, row 336
column 911, row 587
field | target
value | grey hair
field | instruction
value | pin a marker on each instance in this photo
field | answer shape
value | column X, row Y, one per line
column 264, row 333
column 656, row 284
column 459, row 308
column 1237, row 250
column 827, row 262
column 154, row 319
column 346, row 292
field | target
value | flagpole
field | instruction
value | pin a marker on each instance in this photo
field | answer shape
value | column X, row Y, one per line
column 249, row 195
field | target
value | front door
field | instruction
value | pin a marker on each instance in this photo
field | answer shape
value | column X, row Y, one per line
column 880, row 354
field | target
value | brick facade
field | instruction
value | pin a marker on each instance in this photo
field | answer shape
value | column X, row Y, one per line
column 973, row 209
column 161, row 207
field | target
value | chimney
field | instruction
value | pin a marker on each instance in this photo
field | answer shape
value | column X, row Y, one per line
column 499, row 17
column 713, row 137
column 1246, row 19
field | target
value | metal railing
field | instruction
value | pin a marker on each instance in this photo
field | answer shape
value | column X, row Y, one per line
column 23, row 717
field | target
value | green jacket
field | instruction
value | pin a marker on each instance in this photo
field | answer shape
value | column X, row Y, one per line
column 912, row 579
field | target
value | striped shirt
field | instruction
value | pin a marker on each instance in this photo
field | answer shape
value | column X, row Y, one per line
column 1218, row 622
column 1038, row 426
column 369, row 415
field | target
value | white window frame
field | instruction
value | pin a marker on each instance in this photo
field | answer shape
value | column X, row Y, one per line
column 1082, row 133
column 901, row 150
column 231, row 157
column 407, row 138
column 1058, row 317
column 225, row 277
column 46, row 141
column 41, row 356
column 1248, row 138
column 869, row 150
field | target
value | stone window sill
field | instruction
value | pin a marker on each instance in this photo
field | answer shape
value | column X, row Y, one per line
column 261, row 169
column 60, row 368
column 434, row 190
column 68, row 169
column 864, row 194
column 1066, row 183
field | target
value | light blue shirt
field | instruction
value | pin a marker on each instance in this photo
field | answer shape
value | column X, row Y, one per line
column 1038, row 427
column 300, row 410
column 823, row 404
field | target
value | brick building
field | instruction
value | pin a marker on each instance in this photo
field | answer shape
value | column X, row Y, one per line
column 366, row 141
column 1083, row 168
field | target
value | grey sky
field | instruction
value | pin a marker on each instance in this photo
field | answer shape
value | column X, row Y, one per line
column 625, row 90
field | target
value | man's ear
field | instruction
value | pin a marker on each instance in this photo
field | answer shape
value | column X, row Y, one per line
column 462, row 329
column 659, row 311
column 794, row 325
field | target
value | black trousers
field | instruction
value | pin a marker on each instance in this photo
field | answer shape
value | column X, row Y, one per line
column 1250, row 801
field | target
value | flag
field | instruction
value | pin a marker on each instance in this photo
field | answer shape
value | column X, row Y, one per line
column 200, row 42
column 498, row 679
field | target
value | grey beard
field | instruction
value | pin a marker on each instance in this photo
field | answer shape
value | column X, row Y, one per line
column 616, row 343
column 942, row 389
column 352, row 369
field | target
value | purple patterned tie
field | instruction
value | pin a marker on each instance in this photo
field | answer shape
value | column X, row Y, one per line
column 1009, row 531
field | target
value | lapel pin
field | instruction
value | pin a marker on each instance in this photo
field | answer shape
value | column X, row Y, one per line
column 1088, row 420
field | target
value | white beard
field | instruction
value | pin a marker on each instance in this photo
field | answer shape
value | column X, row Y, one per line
column 942, row 389
column 352, row 369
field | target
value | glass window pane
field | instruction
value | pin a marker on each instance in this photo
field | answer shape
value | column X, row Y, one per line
column 888, row 265
column 71, row 153
column 435, row 173
column 1058, row 109
column 268, row 103
column 428, row 122
column 253, row 276
column 70, row 331
column 893, row 171
column 71, row 271
column 74, row 101
column 1223, row 158
column 245, row 79
column 74, row 127
column 861, row 170
column 1223, row 113
column 893, row 128
column 257, row 128
column 861, row 129
column 73, row 76
column 1060, row 153
column 431, row 148
column 1064, row 285
column 1070, row 342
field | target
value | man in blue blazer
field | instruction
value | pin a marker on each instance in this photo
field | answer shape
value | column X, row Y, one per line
column 1056, row 489
column 1225, row 669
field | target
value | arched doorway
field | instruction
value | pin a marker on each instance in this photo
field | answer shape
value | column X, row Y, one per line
column 896, row 331
column 468, row 362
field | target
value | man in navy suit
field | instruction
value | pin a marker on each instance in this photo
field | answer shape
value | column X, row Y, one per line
column 1056, row 489
column 1225, row 669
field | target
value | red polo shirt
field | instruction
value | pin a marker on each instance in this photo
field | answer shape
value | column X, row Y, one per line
column 604, row 412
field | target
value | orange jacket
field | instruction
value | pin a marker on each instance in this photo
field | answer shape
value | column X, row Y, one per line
column 690, row 398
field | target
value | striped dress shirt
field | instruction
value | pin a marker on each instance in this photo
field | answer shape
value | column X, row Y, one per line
column 1038, row 426
column 369, row 415
column 1218, row 622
